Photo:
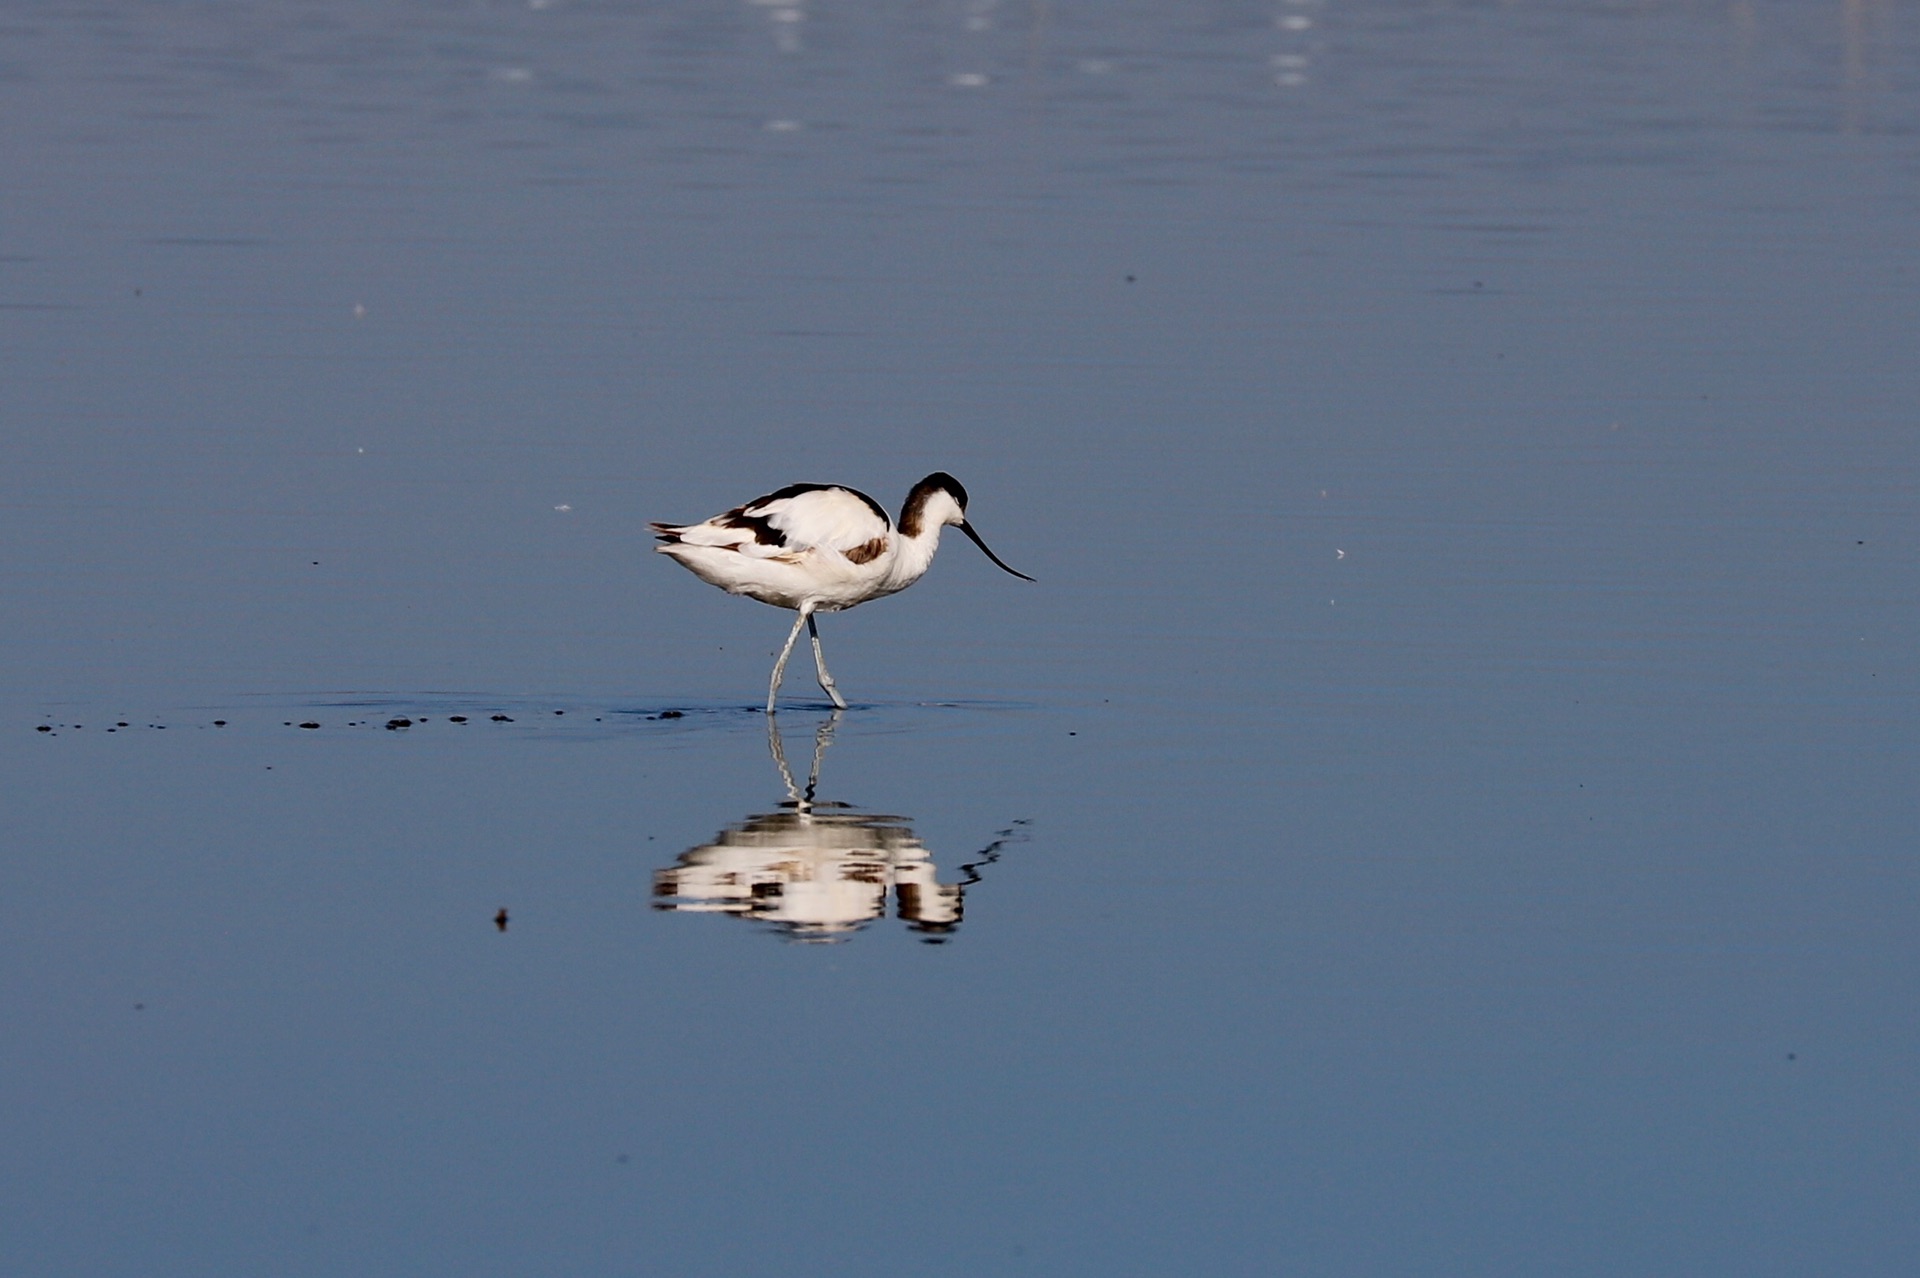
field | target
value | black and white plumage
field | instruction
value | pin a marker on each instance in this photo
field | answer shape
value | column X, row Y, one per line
column 821, row 548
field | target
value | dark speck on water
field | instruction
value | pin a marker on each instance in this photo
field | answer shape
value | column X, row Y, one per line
column 309, row 724
column 456, row 718
column 501, row 718
column 45, row 727
column 500, row 919
column 394, row 724
column 670, row 714
column 218, row 723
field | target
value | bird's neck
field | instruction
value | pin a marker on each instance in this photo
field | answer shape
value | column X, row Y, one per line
column 914, row 556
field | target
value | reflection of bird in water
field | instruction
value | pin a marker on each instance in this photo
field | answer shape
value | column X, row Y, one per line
column 821, row 548
column 819, row 871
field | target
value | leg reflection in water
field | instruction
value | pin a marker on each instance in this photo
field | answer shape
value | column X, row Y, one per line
column 820, row 871
column 797, row 799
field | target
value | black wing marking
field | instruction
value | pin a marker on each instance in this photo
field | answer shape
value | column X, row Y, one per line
column 762, row 528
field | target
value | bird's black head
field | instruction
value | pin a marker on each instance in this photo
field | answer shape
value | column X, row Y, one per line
column 942, row 480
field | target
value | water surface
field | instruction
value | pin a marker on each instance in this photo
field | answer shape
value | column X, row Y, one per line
column 1445, row 806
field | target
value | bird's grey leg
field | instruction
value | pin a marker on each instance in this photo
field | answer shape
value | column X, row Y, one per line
column 820, row 664
column 780, row 666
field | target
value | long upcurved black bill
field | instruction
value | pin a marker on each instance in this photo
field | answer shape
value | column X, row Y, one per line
column 968, row 530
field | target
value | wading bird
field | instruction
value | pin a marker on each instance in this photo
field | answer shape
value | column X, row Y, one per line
column 821, row 548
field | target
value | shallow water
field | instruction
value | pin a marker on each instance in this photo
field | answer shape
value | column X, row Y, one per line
column 1445, row 805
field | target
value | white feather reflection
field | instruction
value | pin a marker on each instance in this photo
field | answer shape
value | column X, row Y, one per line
column 820, row 872
column 784, row 17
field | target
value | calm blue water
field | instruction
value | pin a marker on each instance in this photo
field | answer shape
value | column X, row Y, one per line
column 1447, row 805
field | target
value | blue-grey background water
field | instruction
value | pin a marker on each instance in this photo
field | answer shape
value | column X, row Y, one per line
column 1447, row 806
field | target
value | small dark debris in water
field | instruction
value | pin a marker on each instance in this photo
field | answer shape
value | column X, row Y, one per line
column 456, row 718
column 1130, row 279
column 316, row 563
column 78, row 726
column 45, row 727
column 1792, row 1057
column 670, row 714
column 286, row 723
column 501, row 718
column 139, row 1007
column 309, row 724
column 500, row 919
column 394, row 724
column 1073, row 734
column 113, row 729
column 158, row 727
column 559, row 711
column 1859, row 543
column 123, row 723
